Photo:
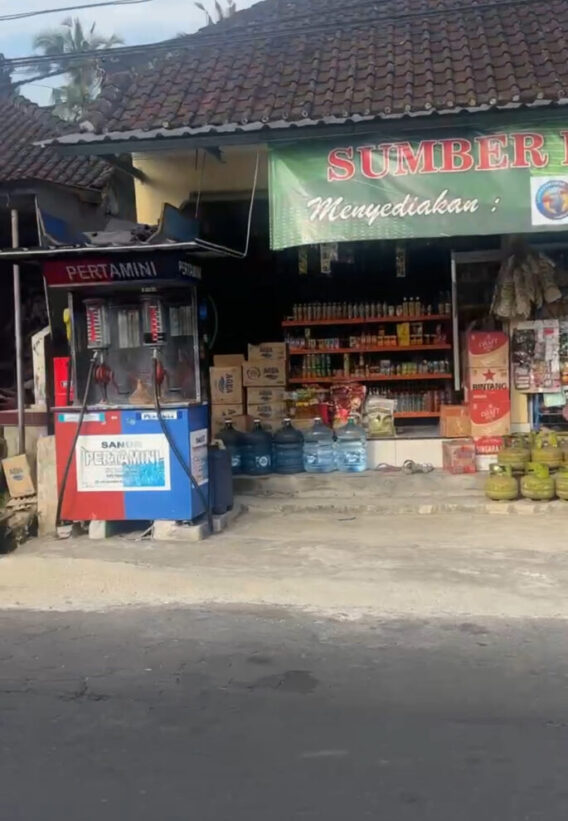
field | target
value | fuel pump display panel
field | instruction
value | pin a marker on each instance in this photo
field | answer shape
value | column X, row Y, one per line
column 129, row 332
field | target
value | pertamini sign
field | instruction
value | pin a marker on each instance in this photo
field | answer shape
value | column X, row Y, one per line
column 512, row 180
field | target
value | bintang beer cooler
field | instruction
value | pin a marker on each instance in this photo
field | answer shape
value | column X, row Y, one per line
column 488, row 385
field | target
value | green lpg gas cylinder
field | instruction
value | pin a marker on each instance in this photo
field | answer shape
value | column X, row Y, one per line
column 538, row 484
column 516, row 453
column 546, row 451
column 562, row 483
column 501, row 485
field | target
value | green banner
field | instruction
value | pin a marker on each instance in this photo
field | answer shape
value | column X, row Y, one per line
column 450, row 183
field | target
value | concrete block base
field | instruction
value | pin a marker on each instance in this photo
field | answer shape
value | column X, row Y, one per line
column 222, row 522
column 101, row 529
column 170, row 531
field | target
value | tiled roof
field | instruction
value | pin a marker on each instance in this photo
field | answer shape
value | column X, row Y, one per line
column 22, row 124
column 307, row 61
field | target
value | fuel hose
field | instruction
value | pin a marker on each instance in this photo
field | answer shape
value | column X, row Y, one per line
column 75, row 438
column 171, row 442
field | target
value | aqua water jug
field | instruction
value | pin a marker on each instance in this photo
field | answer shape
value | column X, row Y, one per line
column 233, row 441
column 318, row 449
column 257, row 451
column 288, row 445
column 351, row 448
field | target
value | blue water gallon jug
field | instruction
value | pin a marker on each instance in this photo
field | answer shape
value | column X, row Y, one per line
column 351, row 448
column 288, row 445
column 233, row 441
column 257, row 451
column 318, row 449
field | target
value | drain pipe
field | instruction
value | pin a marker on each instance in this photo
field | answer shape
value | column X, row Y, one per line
column 18, row 335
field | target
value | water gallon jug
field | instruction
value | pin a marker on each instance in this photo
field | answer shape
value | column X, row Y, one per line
column 351, row 448
column 319, row 454
column 233, row 441
column 288, row 445
column 257, row 451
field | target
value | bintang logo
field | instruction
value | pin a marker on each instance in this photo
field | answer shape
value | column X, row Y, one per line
column 489, row 383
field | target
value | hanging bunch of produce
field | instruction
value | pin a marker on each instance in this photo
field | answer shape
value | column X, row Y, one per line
column 526, row 281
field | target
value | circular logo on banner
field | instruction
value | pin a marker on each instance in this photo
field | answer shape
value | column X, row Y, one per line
column 552, row 200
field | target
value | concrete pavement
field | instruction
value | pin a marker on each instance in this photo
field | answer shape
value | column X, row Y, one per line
column 345, row 566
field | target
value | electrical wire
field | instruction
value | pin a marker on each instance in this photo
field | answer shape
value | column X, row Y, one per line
column 231, row 34
column 75, row 439
column 25, row 14
column 171, row 442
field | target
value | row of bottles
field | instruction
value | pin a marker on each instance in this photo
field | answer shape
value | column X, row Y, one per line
column 416, row 401
column 257, row 453
column 409, row 306
column 382, row 338
column 322, row 366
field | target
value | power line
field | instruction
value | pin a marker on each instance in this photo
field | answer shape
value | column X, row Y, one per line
column 24, row 14
column 230, row 33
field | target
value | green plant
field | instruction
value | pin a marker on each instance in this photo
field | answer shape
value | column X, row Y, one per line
column 221, row 12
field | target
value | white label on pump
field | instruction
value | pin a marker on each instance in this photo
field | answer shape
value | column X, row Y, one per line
column 126, row 462
column 74, row 417
column 198, row 447
column 152, row 416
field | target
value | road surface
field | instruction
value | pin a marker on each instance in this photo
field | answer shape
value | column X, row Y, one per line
column 268, row 715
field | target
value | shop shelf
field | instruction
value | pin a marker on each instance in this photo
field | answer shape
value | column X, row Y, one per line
column 370, row 349
column 416, row 414
column 299, row 323
column 301, row 380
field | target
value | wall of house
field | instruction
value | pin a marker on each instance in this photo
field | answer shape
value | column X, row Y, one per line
column 175, row 177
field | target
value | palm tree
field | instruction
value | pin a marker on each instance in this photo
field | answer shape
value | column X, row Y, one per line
column 70, row 100
column 221, row 12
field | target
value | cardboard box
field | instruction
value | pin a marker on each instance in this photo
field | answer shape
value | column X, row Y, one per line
column 260, row 396
column 243, row 423
column 261, row 373
column 267, row 350
column 276, row 410
column 228, row 360
column 459, row 456
column 18, row 476
column 487, row 349
column 226, row 385
column 454, row 421
column 490, row 413
column 489, row 379
column 488, row 445
column 227, row 411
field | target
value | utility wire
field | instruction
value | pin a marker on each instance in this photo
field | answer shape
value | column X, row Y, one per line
column 230, row 34
column 24, row 14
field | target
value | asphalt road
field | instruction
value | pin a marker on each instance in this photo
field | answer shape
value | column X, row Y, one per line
column 267, row 716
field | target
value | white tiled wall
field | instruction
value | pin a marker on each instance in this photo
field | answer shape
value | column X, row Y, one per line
column 396, row 451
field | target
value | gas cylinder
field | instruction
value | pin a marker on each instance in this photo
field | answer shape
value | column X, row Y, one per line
column 501, row 485
column 537, row 484
column 515, row 454
column 546, row 451
column 562, row 483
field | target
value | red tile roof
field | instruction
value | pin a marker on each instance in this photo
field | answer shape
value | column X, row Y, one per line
column 22, row 124
column 286, row 61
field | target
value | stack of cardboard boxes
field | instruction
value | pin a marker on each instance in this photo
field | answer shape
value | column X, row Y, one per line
column 227, row 397
column 264, row 377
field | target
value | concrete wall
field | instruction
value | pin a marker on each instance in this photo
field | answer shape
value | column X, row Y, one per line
column 176, row 176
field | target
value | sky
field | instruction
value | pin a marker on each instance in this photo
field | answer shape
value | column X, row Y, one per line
column 137, row 24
